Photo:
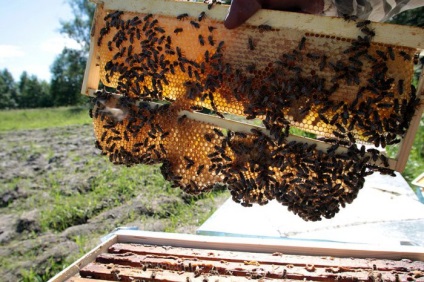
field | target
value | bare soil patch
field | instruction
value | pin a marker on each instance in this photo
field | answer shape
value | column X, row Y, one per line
column 33, row 163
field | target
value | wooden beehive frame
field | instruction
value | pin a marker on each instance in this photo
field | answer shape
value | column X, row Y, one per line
column 335, row 27
column 243, row 245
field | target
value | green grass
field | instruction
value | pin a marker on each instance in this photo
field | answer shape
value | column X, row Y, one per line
column 415, row 163
column 43, row 118
column 111, row 188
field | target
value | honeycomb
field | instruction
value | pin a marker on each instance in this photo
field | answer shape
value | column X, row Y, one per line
column 346, row 91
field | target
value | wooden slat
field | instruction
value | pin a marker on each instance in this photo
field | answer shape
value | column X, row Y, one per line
column 408, row 141
column 173, row 264
column 385, row 33
column 139, row 252
column 238, row 126
column 81, row 279
column 117, row 273
column 92, row 68
column 74, row 268
column 234, row 256
column 272, row 245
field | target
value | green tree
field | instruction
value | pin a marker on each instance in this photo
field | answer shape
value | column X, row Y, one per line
column 8, row 91
column 79, row 27
column 67, row 75
column 68, row 68
column 33, row 93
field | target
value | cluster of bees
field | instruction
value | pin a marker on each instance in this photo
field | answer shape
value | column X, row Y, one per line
column 147, row 61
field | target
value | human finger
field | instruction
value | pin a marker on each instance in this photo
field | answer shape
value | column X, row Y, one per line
column 241, row 10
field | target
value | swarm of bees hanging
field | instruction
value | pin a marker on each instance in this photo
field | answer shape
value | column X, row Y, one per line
column 345, row 91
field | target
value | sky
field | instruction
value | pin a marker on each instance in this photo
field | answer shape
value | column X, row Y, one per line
column 29, row 35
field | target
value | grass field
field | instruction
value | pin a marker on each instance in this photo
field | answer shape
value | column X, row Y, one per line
column 43, row 118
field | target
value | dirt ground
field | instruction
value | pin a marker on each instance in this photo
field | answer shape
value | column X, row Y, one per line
column 27, row 160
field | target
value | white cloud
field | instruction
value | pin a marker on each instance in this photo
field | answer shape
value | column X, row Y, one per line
column 10, row 51
column 56, row 44
column 42, row 71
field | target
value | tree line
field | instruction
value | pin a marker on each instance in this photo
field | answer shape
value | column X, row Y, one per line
column 68, row 68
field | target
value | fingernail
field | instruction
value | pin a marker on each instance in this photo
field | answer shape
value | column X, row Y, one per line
column 228, row 12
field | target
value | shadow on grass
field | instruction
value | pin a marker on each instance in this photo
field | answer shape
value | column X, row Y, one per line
column 77, row 110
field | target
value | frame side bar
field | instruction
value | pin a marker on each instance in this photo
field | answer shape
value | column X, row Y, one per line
column 92, row 68
column 408, row 141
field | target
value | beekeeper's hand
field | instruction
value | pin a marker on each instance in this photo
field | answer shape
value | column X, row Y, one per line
column 241, row 10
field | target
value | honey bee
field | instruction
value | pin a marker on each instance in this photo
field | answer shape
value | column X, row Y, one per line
column 240, row 134
column 405, row 56
column 201, row 16
column 381, row 54
column 162, row 148
column 313, row 56
column 211, row 28
column 182, row 16
column 165, row 134
column 200, row 169
column 153, row 23
column 201, row 40
column 368, row 31
column 159, row 29
column 195, row 24
column 251, row 44
column 338, row 134
column 210, row 40
column 178, row 30
column 218, row 132
column 400, row 86
column 147, row 17
column 251, row 67
column 190, row 71
column 208, row 137
column 182, row 118
column 349, row 18
column 391, row 53
column 323, row 62
column 264, row 27
column 363, row 23
column 220, row 45
column 384, row 159
column 181, row 65
column 302, row 43
column 196, row 108
column 112, row 148
column 189, row 161
column 351, row 137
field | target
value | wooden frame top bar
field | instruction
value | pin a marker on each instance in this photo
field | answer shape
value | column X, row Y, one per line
column 385, row 33
column 251, row 245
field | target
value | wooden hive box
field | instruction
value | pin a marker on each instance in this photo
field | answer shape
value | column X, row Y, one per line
column 155, row 256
